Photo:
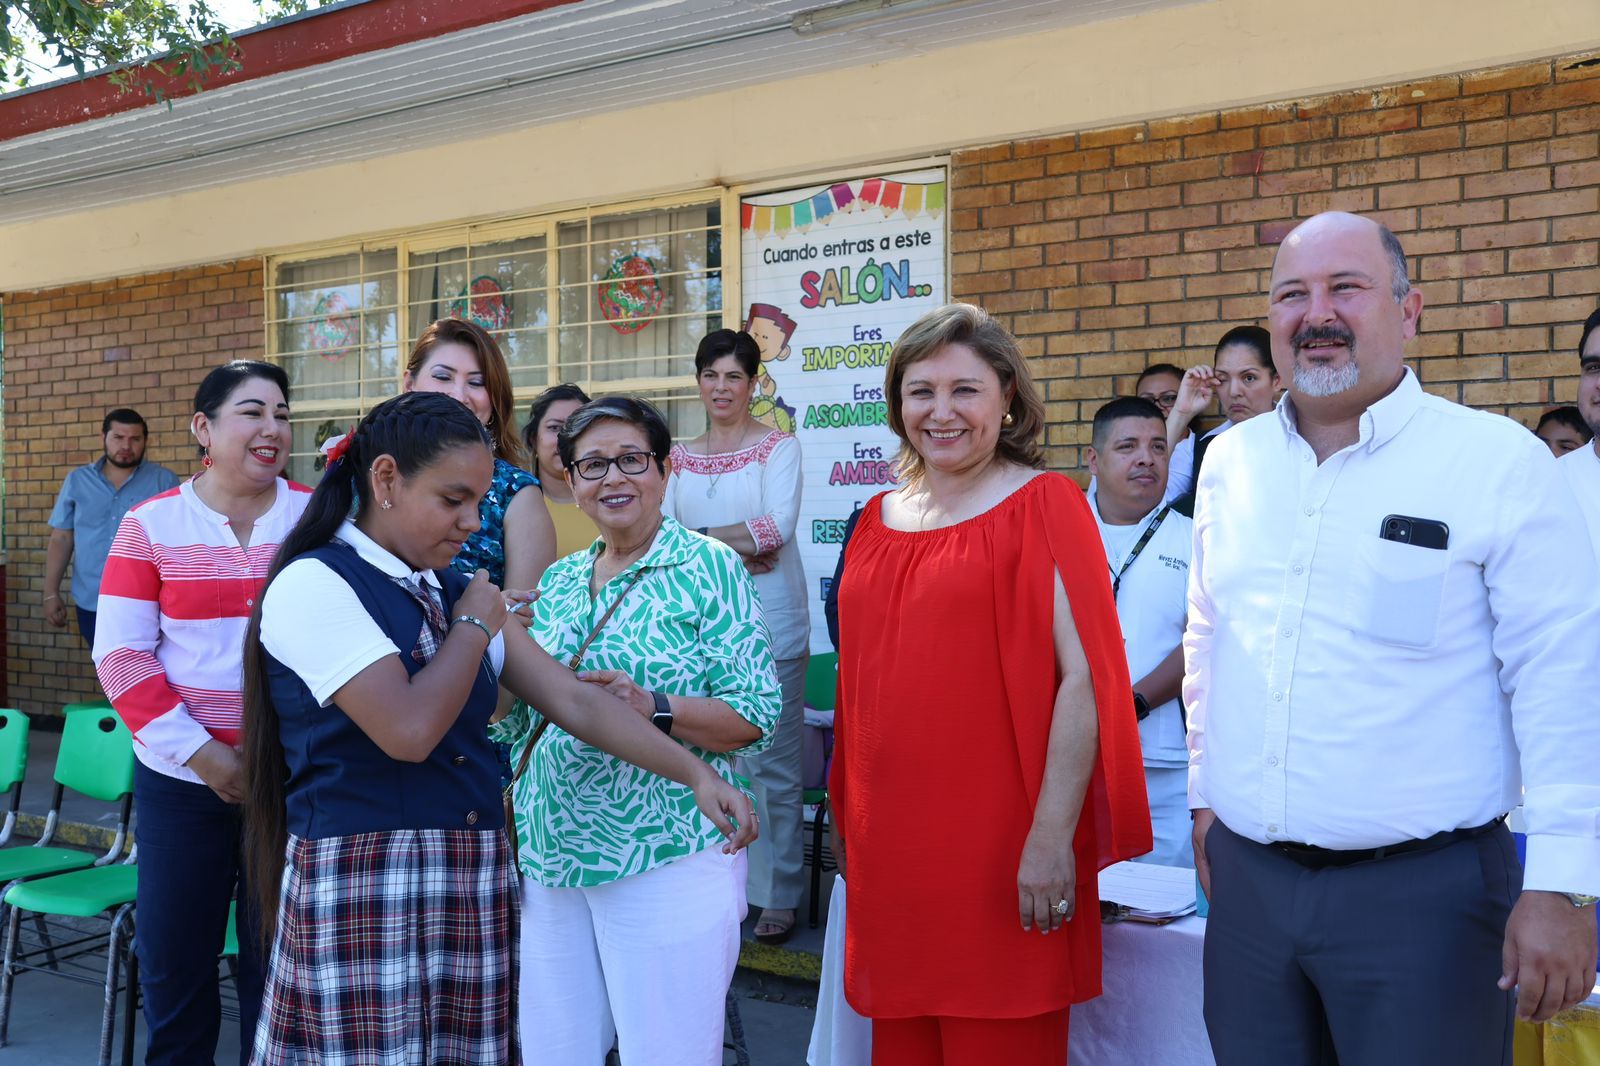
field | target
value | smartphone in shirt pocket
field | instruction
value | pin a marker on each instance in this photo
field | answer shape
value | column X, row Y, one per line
column 1403, row 573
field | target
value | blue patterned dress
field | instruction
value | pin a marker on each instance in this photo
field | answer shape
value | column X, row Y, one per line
column 486, row 549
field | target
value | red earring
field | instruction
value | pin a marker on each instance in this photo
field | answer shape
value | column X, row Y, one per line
column 206, row 462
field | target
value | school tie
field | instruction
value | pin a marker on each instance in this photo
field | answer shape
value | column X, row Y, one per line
column 433, row 628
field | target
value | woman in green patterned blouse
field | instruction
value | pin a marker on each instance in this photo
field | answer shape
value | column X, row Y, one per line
column 631, row 910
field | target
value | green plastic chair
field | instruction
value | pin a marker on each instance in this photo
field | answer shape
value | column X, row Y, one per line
column 13, row 766
column 96, row 759
column 94, row 705
column 88, row 762
column 822, row 679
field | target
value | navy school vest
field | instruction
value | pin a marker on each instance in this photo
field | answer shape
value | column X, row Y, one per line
column 340, row 782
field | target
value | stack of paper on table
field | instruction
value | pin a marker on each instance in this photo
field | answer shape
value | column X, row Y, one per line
column 1149, row 892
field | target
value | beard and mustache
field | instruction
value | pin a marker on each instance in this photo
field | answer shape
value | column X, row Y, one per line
column 121, row 465
column 1319, row 381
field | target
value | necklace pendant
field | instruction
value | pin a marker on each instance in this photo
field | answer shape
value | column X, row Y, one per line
column 711, row 492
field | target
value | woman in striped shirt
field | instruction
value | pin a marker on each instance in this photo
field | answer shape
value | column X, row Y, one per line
column 182, row 579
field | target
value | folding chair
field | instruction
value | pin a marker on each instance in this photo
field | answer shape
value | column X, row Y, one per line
column 822, row 680
column 96, row 759
column 13, row 766
column 736, row 1042
column 130, row 1003
column 41, row 859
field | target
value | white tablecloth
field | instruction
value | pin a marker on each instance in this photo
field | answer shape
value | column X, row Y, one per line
column 1150, row 1011
column 839, row 1036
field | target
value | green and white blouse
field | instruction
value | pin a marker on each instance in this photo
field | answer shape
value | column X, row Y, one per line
column 691, row 627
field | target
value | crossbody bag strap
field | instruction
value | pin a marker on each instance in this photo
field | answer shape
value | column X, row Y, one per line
column 572, row 664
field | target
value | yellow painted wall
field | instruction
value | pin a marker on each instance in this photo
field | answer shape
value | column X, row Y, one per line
column 1179, row 60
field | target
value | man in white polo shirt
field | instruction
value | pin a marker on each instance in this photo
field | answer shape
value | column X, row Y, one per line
column 1582, row 465
column 1147, row 549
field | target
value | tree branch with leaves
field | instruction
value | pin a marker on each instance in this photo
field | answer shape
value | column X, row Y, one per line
column 146, row 45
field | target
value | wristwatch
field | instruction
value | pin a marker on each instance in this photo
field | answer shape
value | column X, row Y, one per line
column 663, row 713
column 1578, row 899
column 1141, row 707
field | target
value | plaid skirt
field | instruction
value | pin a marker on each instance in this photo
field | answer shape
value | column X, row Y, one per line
column 393, row 949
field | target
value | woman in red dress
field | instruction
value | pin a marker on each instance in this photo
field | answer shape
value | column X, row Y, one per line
column 987, row 762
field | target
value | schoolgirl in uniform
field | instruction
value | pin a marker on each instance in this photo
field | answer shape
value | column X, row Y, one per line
column 375, row 824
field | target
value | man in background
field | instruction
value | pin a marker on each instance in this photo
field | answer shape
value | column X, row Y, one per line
column 91, row 503
column 1563, row 430
column 1582, row 465
column 1147, row 550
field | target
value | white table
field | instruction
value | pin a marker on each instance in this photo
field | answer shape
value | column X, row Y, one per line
column 1150, row 1012
column 1149, row 1009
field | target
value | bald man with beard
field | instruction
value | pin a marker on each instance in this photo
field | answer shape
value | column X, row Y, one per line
column 1389, row 647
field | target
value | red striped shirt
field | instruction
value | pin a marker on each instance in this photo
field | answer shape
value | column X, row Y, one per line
column 175, row 602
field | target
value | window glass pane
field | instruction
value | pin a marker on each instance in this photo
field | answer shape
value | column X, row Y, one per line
column 686, row 415
column 336, row 325
column 310, row 430
column 637, row 292
column 509, row 297
column 633, row 294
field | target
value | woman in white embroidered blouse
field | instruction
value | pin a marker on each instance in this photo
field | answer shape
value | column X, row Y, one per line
column 739, row 482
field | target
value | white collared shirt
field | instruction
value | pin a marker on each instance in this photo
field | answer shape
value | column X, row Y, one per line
column 1351, row 692
column 1150, row 607
column 1582, row 468
column 1180, row 469
column 313, row 622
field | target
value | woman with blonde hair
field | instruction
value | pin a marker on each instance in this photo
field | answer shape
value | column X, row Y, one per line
column 978, row 642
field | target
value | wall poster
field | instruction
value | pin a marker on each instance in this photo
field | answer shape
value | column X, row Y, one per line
column 831, row 275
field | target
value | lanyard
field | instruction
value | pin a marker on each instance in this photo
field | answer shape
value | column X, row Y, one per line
column 1144, row 538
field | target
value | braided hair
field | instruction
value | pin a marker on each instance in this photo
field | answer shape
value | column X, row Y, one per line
column 415, row 429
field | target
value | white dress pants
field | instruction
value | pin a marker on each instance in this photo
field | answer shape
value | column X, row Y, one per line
column 644, row 961
column 777, row 858
column 1168, row 787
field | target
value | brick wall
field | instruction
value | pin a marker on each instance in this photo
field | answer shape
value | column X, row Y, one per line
column 72, row 354
column 1102, row 250
column 1109, row 249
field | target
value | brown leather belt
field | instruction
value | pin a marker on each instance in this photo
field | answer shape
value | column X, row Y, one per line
column 1316, row 858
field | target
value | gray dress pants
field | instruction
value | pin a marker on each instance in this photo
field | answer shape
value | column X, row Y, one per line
column 1387, row 962
column 777, row 858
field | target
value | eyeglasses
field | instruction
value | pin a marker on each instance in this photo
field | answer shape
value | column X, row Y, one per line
column 594, row 468
column 1165, row 399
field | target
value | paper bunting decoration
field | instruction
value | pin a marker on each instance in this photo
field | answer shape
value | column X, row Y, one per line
column 631, row 295
column 884, row 193
column 488, row 306
column 336, row 331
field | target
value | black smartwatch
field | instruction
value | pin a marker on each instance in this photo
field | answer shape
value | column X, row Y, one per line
column 1141, row 707
column 663, row 713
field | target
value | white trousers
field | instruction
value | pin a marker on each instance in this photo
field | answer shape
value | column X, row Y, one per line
column 1168, row 787
column 777, row 858
column 644, row 961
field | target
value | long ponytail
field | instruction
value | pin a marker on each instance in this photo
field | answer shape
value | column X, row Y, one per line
column 265, row 771
column 414, row 428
